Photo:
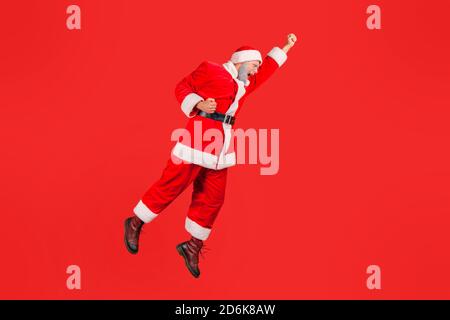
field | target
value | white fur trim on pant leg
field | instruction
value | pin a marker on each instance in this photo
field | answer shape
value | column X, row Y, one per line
column 144, row 213
column 278, row 55
column 196, row 230
column 189, row 102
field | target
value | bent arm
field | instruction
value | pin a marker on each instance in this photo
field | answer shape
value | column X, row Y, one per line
column 185, row 90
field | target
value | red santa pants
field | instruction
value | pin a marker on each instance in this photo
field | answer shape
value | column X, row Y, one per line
column 207, row 197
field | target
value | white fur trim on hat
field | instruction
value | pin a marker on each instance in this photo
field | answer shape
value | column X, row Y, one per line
column 246, row 55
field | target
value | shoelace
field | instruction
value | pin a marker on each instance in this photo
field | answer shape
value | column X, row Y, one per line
column 140, row 229
column 203, row 251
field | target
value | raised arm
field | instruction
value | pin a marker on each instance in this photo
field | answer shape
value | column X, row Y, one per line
column 274, row 59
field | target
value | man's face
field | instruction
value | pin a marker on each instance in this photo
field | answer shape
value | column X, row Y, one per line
column 248, row 69
column 252, row 67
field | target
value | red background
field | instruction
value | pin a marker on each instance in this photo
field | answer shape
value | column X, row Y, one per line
column 86, row 118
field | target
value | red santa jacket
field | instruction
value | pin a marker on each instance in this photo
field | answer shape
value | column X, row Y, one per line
column 213, row 148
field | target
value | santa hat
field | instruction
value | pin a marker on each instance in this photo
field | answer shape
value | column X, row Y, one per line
column 246, row 53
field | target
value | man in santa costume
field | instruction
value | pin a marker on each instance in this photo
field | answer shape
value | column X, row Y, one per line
column 210, row 97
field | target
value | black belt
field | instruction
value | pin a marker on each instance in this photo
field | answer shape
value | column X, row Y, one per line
column 225, row 118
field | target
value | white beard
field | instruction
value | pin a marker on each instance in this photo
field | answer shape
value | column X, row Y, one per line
column 242, row 72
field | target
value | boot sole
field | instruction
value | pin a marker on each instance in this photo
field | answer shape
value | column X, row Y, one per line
column 129, row 249
column 181, row 253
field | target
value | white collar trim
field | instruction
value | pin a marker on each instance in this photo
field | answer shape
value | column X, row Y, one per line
column 229, row 66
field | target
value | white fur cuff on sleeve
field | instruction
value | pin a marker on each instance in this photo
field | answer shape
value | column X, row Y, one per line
column 189, row 103
column 278, row 55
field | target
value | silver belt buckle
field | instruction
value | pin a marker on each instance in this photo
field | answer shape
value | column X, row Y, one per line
column 227, row 116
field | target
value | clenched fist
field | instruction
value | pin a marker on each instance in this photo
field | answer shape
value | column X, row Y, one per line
column 209, row 105
column 290, row 42
column 291, row 39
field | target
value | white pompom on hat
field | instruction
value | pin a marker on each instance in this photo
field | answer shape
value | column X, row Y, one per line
column 244, row 54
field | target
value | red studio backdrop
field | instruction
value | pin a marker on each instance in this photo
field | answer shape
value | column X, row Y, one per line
column 86, row 118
